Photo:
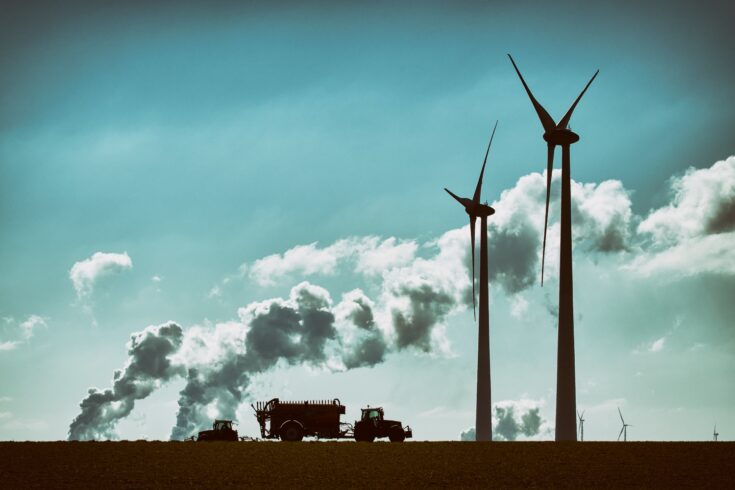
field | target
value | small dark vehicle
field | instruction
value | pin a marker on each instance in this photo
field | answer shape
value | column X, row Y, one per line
column 292, row 421
column 221, row 431
column 373, row 425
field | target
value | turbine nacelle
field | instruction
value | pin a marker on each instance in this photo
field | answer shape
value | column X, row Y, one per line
column 561, row 137
column 479, row 210
column 475, row 209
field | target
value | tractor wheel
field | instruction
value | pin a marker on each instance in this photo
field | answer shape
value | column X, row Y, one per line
column 292, row 432
column 396, row 434
column 363, row 435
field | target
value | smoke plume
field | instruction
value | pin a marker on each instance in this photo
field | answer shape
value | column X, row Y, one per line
column 147, row 367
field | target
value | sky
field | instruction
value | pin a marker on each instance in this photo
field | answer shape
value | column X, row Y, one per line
column 204, row 206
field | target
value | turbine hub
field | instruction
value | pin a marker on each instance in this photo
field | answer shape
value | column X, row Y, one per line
column 483, row 210
column 561, row 137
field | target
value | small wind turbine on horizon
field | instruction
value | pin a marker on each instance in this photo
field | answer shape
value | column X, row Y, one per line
column 624, row 430
column 581, row 425
column 715, row 433
column 561, row 135
column 475, row 209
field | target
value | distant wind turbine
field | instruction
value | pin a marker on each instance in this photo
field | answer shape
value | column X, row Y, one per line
column 624, row 430
column 715, row 433
column 475, row 209
column 561, row 135
column 581, row 425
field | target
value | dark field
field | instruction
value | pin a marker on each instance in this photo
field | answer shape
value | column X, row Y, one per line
column 330, row 465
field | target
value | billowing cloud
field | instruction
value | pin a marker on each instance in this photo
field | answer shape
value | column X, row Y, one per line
column 84, row 274
column 513, row 419
column 703, row 203
column 363, row 342
column 148, row 366
column 695, row 233
column 601, row 214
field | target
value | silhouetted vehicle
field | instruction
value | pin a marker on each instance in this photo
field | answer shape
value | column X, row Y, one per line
column 221, row 431
column 291, row 421
column 373, row 425
column 294, row 420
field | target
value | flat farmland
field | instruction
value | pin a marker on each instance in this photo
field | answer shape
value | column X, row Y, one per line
column 363, row 465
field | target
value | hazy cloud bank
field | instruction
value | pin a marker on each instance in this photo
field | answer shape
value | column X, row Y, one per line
column 413, row 288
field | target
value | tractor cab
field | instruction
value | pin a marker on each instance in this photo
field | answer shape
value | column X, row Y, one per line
column 374, row 414
column 222, row 425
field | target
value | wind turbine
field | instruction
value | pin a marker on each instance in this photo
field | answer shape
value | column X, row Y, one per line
column 561, row 135
column 715, row 433
column 624, row 430
column 581, row 424
column 475, row 209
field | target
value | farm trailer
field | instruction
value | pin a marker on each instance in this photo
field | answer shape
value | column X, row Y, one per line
column 294, row 420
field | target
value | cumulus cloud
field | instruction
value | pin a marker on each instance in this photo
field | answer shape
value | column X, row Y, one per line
column 694, row 233
column 601, row 214
column 703, row 203
column 20, row 333
column 84, row 274
column 370, row 256
column 513, row 419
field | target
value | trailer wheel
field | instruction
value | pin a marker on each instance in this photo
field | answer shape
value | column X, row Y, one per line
column 292, row 432
column 396, row 434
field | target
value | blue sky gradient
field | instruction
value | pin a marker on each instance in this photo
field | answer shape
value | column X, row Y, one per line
column 200, row 138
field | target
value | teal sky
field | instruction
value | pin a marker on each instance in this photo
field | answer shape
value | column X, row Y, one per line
column 198, row 140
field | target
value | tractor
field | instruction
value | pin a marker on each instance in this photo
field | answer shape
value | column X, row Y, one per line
column 373, row 425
column 221, row 431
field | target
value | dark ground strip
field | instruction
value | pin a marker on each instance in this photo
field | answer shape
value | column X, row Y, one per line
column 330, row 464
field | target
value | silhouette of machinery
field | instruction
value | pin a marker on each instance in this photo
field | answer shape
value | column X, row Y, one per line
column 294, row 420
column 221, row 431
column 373, row 425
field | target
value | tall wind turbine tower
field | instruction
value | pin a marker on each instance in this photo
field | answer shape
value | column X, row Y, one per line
column 561, row 135
column 624, row 429
column 473, row 207
column 581, row 425
column 715, row 433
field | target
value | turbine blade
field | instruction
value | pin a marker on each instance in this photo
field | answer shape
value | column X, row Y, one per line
column 478, row 189
column 565, row 120
column 549, row 169
column 455, row 196
column 621, row 433
column 473, row 219
column 621, row 416
column 546, row 121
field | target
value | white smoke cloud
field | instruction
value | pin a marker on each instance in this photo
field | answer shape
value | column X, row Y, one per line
column 84, row 274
